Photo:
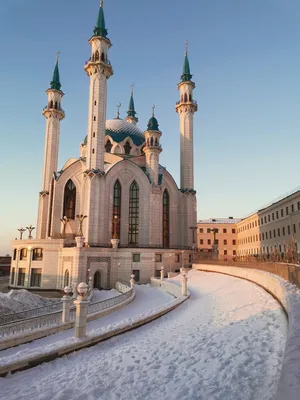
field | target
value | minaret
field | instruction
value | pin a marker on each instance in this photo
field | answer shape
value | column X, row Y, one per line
column 53, row 114
column 131, row 114
column 186, row 108
column 152, row 149
column 98, row 68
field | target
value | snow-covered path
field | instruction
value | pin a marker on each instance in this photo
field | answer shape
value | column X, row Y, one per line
column 226, row 342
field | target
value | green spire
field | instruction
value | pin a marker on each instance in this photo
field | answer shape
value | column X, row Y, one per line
column 100, row 29
column 153, row 124
column 55, row 83
column 131, row 111
column 186, row 73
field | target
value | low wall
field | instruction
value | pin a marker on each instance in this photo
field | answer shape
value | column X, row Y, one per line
column 68, row 346
column 289, row 297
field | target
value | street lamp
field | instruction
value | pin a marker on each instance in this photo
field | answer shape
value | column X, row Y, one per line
column 193, row 229
column 116, row 220
column 30, row 228
column 21, row 230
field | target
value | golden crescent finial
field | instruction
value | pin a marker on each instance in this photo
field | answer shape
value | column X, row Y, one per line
column 118, row 111
column 101, row 3
column 57, row 56
column 186, row 47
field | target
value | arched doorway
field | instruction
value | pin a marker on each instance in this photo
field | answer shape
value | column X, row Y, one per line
column 97, row 280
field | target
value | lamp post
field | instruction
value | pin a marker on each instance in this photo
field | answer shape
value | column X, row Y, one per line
column 162, row 273
column 81, row 310
column 80, row 218
column 132, row 281
column 115, row 238
column 193, row 229
column 64, row 222
column 30, row 228
column 21, row 230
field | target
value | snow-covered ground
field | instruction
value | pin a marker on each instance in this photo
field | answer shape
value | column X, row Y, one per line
column 226, row 342
column 99, row 295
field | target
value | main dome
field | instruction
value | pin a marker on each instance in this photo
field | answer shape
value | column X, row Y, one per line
column 119, row 130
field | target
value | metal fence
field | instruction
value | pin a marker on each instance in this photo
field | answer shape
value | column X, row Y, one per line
column 30, row 313
column 55, row 318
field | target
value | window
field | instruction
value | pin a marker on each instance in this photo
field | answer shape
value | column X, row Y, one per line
column 260, row 236
column 66, row 278
column 95, row 103
column 21, row 276
column 289, row 230
column 278, row 232
column 136, row 273
column 286, row 211
column 23, row 254
column 273, row 216
column 136, row 257
column 280, row 248
column 224, row 230
column 36, row 277
column 94, row 118
column 294, row 228
column 116, row 217
column 255, row 223
column 225, row 252
column 127, row 148
column 208, row 230
column 225, row 242
column 263, row 236
column 108, row 146
column 298, row 205
column 201, row 230
column 37, row 255
column 190, row 258
column 15, row 254
column 292, row 208
column 270, row 233
column 265, row 219
column 133, row 231
column 233, row 230
column 166, row 216
column 201, row 241
column 266, row 235
column 274, row 233
column 158, row 257
column 281, row 212
column 216, row 241
column 234, row 242
column 177, row 258
column 12, row 276
column 234, row 252
column 283, row 231
column 277, row 214
column 69, row 200
column 261, row 221
column 269, row 218
column 208, row 241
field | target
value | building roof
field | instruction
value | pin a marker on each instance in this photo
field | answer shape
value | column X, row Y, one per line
column 229, row 220
column 186, row 72
column 100, row 29
column 119, row 130
column 55, row 83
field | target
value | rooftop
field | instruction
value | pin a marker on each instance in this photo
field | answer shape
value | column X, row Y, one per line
column 229, row 220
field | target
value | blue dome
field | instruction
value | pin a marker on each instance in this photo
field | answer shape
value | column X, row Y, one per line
column 118, row 130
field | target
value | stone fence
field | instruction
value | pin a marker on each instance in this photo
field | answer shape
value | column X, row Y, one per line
column 289, row 297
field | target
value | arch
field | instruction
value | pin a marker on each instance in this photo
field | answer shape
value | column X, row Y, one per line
column 93, row 57
column 156, row 142
column 133, row 231
column 102, row 57
column 151, row 141
column 190, row 97
column 117, row 149
column 23, row 254
column 96, row 55
column 116, row 217
column 69, row 200
column 127, row 148
column 51, row 104
column 166, row 219
column 66, row 278
column 37, row 254
column 108, row 146
column 97, row 280
column 55, row 105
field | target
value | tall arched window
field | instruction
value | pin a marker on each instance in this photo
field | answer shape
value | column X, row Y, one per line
column 69, row 200
column 127, row 148
column 66, row 278
column 96, row 55
column 166, row 219
column 133, row 233
column 116, row 211
column 108, row 146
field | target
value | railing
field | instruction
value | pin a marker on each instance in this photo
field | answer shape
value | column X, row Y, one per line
column 188, row 101
column 55, row 318
column 30, row 313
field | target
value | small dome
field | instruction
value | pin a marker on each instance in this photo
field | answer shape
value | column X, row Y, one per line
column 153, row 124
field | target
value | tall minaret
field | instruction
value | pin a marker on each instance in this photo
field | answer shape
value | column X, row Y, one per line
column 131, row 114
column 53, row 114
column 186, row 108
column 98, row 68
column 152, row 149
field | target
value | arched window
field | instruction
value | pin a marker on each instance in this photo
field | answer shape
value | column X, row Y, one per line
column 69, row 200
column 133, row 232
column 127, row 148
column 156, row 142
column 66, row 278
column 108, row 146
column 37, row 254
column 96, row 55
column 151, row 141
column 166, row 219
column 190, row 97
column 51, row 104
column 102, row 57
column 55, row 106
column 185, row 98
column 23, row 254
column 116, row 211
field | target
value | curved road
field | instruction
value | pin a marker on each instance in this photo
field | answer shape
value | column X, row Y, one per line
column 226, row 342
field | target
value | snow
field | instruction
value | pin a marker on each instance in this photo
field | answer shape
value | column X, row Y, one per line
column 226, row 342
column 99, row 295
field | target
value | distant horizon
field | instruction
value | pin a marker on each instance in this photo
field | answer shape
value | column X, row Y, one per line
column 245, row 62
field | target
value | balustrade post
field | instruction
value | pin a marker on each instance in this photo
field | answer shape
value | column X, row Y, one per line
column 132, row 281
column 66, row 300
column 184, row 284
column 162, row 273
column 81, row 311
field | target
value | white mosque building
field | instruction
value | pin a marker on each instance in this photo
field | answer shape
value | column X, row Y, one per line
column 114, row 210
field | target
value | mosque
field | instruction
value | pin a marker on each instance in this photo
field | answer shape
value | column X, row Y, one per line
column 114, row 210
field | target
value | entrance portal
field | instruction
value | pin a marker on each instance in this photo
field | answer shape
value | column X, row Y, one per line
column 97, row 280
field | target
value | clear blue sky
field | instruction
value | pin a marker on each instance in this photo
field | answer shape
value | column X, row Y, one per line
column 245, row 60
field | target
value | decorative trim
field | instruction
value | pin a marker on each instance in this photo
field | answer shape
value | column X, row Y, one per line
column 44, row 193
column 101, row 259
